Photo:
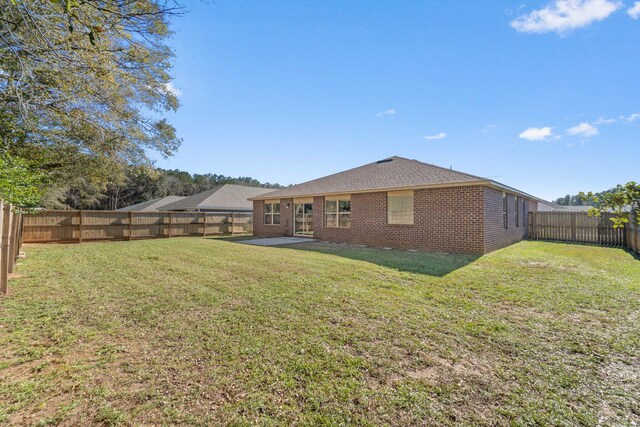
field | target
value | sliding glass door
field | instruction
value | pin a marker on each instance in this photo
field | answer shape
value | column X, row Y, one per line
column 303, row 219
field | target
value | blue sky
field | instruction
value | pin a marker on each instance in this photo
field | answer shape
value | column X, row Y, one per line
column 543, row 96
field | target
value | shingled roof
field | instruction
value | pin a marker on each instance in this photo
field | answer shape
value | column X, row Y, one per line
column 152, row 205
column 226, row 197
column 387, row 174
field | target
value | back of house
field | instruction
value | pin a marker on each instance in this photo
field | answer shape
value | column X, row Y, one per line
column 399, row 203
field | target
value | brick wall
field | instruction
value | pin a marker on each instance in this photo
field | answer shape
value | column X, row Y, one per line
column 286, row 217
column 495, row 235
column 445, row 220
column 455, row 219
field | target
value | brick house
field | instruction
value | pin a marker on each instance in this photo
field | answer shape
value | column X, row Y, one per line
column 399, row 203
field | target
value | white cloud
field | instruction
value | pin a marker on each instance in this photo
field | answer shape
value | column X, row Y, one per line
column 169, row 87
column 440, row 135
column 634, row 11
column 536, row 134
column 583, row 129
column 390, row 112
column 603, row 121
column 564, row 15
column 487, row 128
column 631, row 118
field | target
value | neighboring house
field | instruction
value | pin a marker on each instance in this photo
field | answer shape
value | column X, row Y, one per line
column 549, row 207
column 554, row 207
column 221, row 198
column 399, row 203
column 152, row 205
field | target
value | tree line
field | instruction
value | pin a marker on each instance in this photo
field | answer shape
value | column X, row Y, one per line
column 141, row 184
column 581, row 199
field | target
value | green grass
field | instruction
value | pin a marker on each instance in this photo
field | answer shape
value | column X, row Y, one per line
column 212, row 332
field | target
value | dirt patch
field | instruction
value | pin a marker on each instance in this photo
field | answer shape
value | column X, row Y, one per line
column 433, row 373
column 444, row 371
column 534, row 264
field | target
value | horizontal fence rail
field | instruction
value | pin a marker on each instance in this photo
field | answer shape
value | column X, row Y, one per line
column 10, row 242
column 60, row 226
column 577, row 227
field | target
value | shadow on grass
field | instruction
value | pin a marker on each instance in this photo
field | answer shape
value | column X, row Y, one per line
column 429, row 263
column 234, row 238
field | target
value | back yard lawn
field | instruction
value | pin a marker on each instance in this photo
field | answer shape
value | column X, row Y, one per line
column 209, row 332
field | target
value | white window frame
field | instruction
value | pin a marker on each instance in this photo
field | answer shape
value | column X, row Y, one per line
column 272, row 214
column 337, row 212
column 409, row 195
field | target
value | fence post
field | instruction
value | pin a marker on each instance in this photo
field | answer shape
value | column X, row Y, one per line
column 632, row 241
column 636, row 236
column 80, row 226
column 21, row 235
column 1, row 220
column 169, row 234
column 10, row 239
column 4, row 247
column 15, row 224
column 204, row 224
column 130, row 224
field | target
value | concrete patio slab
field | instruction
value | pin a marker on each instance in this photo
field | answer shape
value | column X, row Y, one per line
column 274, row 241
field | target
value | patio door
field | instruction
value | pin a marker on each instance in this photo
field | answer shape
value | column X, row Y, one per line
column 303, row 219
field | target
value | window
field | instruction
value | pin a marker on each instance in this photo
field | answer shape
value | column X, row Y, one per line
column 505, row 215
column 337, row 212
column 524, row 212
column 400, row 207
column 517, row 212
column 271, row 213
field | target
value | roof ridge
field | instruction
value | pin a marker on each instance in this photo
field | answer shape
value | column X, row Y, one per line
column 330, row 175
column 443, row 168
column 384, row 173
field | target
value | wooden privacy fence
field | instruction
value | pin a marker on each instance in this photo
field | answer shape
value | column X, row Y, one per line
column 633, row 237
column 77, row 226
column 577, row 227
column 10, row 242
